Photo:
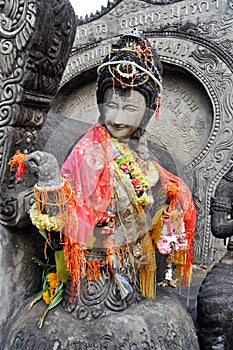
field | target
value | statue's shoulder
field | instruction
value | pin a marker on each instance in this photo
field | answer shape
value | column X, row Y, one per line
column 162, row 157
column 228, row 177
column 223, row 198
column 225, row 184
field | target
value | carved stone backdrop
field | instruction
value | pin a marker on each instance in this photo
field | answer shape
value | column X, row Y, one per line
column 194, row 41
column 35, row 41
column 34, row 49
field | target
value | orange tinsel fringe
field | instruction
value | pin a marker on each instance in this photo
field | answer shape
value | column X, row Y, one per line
column 93, row 270
column 157, row 109
column 189, row 260
column 75, row 257
column 172, row 194
column 157, row 225
column 57, row 198
column 61, row 203
column 17, row 161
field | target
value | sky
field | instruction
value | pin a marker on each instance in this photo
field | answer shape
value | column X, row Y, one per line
column 83, row 7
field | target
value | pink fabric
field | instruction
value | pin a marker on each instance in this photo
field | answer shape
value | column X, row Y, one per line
column 90, row 172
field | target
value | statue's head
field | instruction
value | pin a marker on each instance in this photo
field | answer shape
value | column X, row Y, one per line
column 129, row 80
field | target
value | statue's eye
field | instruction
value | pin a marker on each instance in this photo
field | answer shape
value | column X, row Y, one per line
column 111, row 105
column 130, row 108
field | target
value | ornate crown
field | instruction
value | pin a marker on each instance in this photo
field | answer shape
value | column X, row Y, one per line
column 131, row 61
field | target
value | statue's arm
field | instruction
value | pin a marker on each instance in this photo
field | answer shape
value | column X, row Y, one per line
column 45, row 168
column 221, row 210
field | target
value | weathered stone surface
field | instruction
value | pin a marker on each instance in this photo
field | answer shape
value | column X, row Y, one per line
column 35, row 41
column 215, row 305
column 19, row 275
column 215, row 310
column 59, row 130
column 161, row 324
column 194, row 38
column 230, row 338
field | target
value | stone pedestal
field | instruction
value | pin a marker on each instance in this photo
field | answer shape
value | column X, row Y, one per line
column 161, row 324
column 215, row 305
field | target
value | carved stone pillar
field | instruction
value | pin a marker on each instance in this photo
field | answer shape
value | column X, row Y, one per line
column 35, row 41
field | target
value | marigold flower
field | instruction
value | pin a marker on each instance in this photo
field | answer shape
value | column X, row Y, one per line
column 48, row 296
column 53, row 280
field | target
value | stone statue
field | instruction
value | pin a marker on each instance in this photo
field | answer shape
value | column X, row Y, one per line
column 221, row 209
column 111, row 215
column 215, row 296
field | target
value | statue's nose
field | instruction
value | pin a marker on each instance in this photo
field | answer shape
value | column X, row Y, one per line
column 120, row 118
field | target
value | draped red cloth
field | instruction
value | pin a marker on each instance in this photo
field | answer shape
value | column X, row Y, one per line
column 90, row 172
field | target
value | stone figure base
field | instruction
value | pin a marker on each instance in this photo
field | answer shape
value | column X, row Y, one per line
column 215, row 306
column 161, row 324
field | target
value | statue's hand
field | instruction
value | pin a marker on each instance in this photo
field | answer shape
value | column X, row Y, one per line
column 45, row 167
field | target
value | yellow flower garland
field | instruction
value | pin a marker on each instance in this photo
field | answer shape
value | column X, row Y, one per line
column 134, row 170
column 43, row 221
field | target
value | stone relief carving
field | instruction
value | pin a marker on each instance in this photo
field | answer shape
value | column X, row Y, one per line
column 128, row 6
column 187, row 22
column 112, row 4
column 31, row 98
column 99, row 299
column 32, row 64
column 17, row 25
column 32, row 61
column 121, row 330
column 214, row 331
column 187, row 114
column 149, row 18
column 218, row 29
column 79, row 104
column 220, row 77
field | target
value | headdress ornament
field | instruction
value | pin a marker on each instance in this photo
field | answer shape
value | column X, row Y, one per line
column 131, row 63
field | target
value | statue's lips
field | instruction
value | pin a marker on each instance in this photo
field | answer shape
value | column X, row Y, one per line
column 119, row 126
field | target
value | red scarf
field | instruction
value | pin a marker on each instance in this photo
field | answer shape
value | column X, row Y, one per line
column 90, row 172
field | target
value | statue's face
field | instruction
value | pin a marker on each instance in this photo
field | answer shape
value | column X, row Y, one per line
column 123, row 112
